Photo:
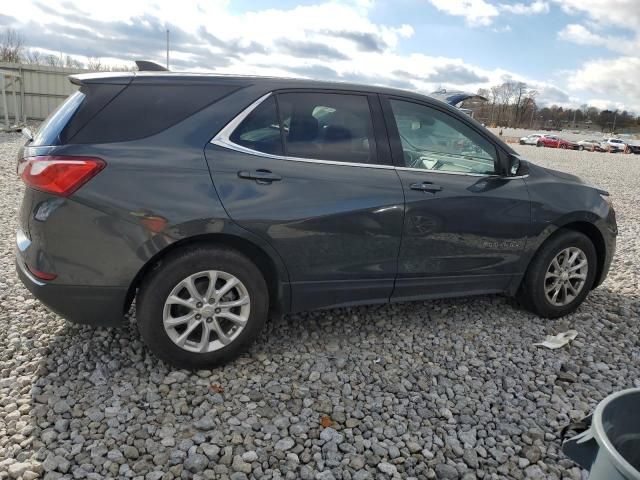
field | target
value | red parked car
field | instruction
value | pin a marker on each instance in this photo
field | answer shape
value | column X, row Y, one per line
column 554, row 141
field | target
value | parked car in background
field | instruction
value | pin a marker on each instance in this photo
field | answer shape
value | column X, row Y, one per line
column 530, row 139
column 554, row 141
column 213, row 201
column 592, row 145
column 613, row 145
column 634, row 146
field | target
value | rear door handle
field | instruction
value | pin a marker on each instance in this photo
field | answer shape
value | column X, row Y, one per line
column 261, row 176
column 426, row 187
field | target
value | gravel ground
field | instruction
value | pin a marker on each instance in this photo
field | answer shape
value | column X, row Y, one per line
column 442, row 389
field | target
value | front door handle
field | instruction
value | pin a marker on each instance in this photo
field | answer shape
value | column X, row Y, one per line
column 260, row 176
column 426, row 187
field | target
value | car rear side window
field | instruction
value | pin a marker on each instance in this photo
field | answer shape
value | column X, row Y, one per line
column 49, row 132
column 327, row 126
column 260, row 131
column 144, row 110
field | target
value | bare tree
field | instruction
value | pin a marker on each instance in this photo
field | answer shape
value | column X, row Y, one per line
column 33, row 57
column 95, row 64
column 11, row 46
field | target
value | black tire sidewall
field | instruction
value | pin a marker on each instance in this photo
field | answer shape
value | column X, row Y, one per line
column 532, row 291
column 157, row 286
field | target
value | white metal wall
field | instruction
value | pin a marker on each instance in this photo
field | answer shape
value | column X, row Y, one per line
column 44, row 89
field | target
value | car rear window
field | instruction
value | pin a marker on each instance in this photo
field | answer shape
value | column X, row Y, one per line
column 144, row 110
column 50, row 130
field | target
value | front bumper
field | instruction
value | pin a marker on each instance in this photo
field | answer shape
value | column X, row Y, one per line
column 88, row 305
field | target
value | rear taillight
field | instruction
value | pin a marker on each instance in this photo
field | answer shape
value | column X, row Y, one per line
column 60, row 175
column 42, row 275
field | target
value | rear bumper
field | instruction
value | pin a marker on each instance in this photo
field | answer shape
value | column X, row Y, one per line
column 88, row 305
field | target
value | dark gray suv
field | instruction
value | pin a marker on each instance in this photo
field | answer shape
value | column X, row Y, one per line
column 217, row 200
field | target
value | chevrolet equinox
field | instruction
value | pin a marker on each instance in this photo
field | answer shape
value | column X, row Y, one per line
column 215, row 201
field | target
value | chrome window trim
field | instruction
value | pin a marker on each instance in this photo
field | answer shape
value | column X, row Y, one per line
column 222, row 139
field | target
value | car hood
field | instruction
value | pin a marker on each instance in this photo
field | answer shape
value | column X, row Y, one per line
column 566, row 177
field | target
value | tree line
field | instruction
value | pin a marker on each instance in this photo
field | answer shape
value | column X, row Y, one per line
column 513, row 104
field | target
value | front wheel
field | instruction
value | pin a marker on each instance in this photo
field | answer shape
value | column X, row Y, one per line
column 202, row 307
column 560, row 275
column 539, row 144
column 580, row 148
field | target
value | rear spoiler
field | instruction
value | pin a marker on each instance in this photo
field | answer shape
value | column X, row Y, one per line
column 116, row 78
column 454, row 97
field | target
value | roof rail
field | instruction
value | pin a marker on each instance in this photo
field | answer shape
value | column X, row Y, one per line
column 147, row 66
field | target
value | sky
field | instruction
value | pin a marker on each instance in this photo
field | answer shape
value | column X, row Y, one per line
column 572, row 52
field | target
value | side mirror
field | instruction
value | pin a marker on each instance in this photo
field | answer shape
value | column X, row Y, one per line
column 514, row 165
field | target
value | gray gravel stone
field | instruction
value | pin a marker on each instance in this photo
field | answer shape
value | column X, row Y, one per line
column 440, row 389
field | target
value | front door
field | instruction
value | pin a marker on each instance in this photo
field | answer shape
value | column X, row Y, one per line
column 465, row 227
column 309, row 173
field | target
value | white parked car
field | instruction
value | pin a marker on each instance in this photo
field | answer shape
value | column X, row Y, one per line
column 614, row 145
column 595, row 145
column 530, row 139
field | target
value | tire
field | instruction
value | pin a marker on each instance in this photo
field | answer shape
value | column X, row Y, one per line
column 580, row 148
column 563, row 146
column 521, row 142
column 539, row 144
column 194, row 263
column 532, row 295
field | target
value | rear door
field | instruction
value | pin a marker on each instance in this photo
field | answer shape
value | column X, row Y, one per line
column 465, row 227
column 310, row 172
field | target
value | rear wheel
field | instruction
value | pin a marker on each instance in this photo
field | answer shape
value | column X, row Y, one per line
column 560, row 275
column 563, row 145
column 539, row 144
column 202, row 307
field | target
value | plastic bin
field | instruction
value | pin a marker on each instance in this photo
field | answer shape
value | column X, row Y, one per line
column 608, row 444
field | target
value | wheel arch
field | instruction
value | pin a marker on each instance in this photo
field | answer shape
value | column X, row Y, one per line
column 592, row 233
column 274, row 273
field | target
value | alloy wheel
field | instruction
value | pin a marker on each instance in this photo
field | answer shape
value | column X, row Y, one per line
column 206, row 311
column 566, row 276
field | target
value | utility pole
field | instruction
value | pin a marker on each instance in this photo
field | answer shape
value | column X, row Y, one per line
column 167, row 49
column 613, row 129
column 533, row 110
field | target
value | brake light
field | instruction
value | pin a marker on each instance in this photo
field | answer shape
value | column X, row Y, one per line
column 60, row 175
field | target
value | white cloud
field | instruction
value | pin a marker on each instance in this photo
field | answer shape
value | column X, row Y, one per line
column 330, row 40
column 616, row 79
column 482, row 13
column 583, row 36
column 533, row 8
column 475, row 12
column 620, row 13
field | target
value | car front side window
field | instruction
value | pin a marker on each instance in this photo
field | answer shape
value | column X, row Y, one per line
column 433, row 140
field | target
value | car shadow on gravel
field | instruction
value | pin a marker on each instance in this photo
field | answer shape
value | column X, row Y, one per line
column 463, row 363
